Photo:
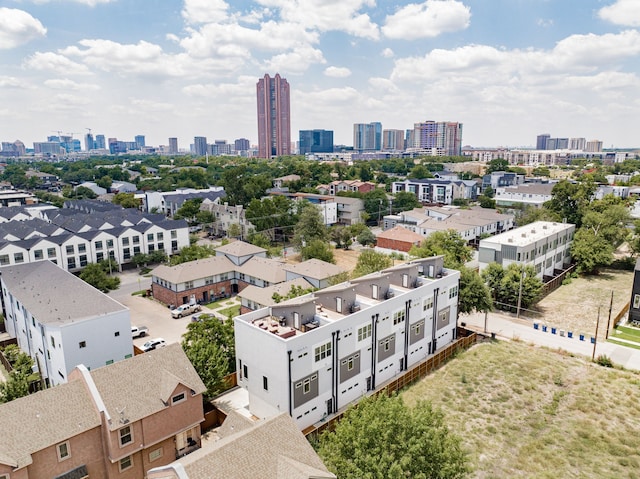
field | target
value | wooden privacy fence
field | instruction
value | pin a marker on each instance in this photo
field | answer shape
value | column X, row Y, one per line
column 556, row 282
column 417, row 372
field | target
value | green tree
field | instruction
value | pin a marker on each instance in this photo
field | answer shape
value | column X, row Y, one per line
column 234, row 231
column 541, row 171
column 375, row 203
column 126, row 200
column 189, row 210
column 505, row 284
column 79, row 193
column 486, row 202
column 104, row 182
column 192, row 253
column 366, row 237
column 474, row 294
column 95, row 275
column 405, row 201
column 591, row 251
column 529, row 214
column 570, row 200
column 419, row 172
column 498, row 164
column 489, row 192
column 310, row 227
column 277, row 212
column 16, row 386
column 210, row 347
column 383, row 438
column 294, row 292
column 448, row 243
column 317, row 249
column 370, row 261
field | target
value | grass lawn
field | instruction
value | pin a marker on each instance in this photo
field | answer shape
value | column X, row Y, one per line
column 232, row 310
column 627, row 332
column 625, row 344
column 216, row 304
column 527, row 412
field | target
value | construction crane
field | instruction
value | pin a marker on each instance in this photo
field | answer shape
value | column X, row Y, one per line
column 88, row 129
column 59, row 132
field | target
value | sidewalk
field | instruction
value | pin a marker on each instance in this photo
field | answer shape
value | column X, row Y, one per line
column 507, row 327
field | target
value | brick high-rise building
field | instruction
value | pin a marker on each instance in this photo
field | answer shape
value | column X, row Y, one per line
column 274, row 117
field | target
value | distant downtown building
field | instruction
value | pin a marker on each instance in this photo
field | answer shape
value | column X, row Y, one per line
column 316, row 141
column 442, row 137
column 173, row 146
column 367, row 136
column 393, row 140
column 242, row 144
column 200, row 145
column 274, row 117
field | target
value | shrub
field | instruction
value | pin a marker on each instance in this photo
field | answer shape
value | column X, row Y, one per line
column 604, row 361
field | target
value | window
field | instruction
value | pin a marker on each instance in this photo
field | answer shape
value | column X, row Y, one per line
column 82, row 248
column 136, row 250
column 109, row 243
column 245, row 371
column 323, row 351
column 136, row 240
column 350, row 363
column 159, row 236
column 178, row 398
column 99, row 256
column 83, row 260
column 4, row 259
column 155, row 454
column 188, row 285
column 125, row 241
column 427, row 304
column 149, row 236
column 453, row 292
column 399, row 316
column 364, row 332
column 18, row 257
column 82, row 344
column 71, row 263
column 126, row 253
column 51, row 252
column 174, row 234
column 265, row 383
column 70, row 249
column 37, row 254
column 63, row 451
column 126, row 435
column 98, row 245
column 126, row 463
column 116, row 334
column 53, row 342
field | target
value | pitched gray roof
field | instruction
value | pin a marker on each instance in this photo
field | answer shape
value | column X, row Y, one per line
column 193, row 270
column 271, row 449
column 264, row 296
column 315, row 268
column 44, row 289
column 240, row 248
column 43, row 419
column 143, row 384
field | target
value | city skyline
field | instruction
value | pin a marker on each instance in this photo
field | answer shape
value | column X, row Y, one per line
column 190, row 69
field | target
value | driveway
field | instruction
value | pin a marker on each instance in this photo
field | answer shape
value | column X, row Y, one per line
column 148, row 312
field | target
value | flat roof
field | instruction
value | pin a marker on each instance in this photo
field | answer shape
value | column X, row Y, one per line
column 528, row 234
column 55, row 296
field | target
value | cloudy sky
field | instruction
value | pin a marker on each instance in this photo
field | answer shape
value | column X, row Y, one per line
column 507, row 69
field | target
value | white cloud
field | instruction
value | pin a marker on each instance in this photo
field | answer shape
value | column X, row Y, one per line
column 296, row 61
column 89, row 3
column 622, row 12
column 66, row 84
column 10, row 82
column 387, row 53
column 428, row 19
column 56, row 63
column 222, row 90
column 328, row 15
column 545, row 22
column 204, row 11
column 18, row 27
column 383, row 84
column 337, row 72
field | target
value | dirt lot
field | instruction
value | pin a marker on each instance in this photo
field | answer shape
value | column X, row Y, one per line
column 574, row 307
column 346, row 258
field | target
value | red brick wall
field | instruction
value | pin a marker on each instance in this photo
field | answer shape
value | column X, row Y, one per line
column 166, row 296
column 394, row 244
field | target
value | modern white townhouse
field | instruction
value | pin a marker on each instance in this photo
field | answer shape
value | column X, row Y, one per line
column 61, row 321
column 72, row 237
column 533, row 194
column 545, row 245
column 168, row 202
column 437, row 191
column 315, row 354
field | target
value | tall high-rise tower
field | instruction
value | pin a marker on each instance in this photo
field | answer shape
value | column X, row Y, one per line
column 274, row 117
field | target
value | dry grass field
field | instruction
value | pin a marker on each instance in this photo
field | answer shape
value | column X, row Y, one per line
column 574, row 306
column 526, row 412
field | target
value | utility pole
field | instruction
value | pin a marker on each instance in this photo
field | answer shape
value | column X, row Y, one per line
column 595, row 339
column 606, row 336
column 520, row 293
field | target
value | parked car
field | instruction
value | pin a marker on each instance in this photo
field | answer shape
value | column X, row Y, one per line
column 153, row 344
column 184, row 310
column 139, row 331
column 197, row 318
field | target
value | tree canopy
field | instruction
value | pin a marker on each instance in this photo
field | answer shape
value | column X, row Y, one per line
column 310, row 227
column 448, row 243
column 382, row 438
column 371, row 261
column 210, row 346
column 505, row 284
column 96, row 275
column 474, row 294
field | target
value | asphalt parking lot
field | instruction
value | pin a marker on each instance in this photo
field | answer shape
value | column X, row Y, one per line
column 148, row 312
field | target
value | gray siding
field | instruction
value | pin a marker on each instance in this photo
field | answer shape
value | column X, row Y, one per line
column 417, row 332
column 354, row 361
column 305, row 389
column 386, row 347
column 443, row 318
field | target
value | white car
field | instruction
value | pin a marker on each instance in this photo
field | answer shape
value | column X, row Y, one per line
column 153, row 344
column 184, row 310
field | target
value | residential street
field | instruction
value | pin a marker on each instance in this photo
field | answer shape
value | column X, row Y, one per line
column 507, row 327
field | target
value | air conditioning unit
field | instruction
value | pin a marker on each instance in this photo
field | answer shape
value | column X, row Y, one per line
column 354, row 308
column 389, row 294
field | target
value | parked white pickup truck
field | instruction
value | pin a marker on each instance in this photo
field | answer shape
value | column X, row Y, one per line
column 139, row 331
column 184, row 310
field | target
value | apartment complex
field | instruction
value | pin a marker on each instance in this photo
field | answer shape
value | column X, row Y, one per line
column 367, row 136
column 274, row 117
column 315, row 354
column 545, row 245
column 533, row 194
column 442, row 138
column 437, row 191
column 86, row 232
column 117, row 421
column 61, row 321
